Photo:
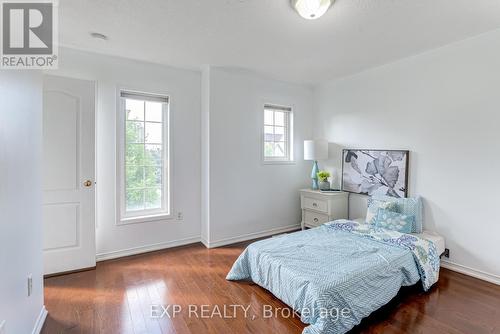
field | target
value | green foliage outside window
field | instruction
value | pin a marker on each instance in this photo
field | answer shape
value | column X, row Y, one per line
column 143, row 169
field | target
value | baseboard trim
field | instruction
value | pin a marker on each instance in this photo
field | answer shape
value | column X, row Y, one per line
column 205, row 242
column 471, row 272
column 68, row 272
column 40, row 320
column 250, row 236
column 146, row 249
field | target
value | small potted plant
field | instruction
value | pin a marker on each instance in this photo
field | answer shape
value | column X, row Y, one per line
column 323, row 176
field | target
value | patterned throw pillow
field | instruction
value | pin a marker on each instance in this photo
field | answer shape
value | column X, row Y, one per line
column 395, row 221
column 409, row 207
column 374, row 205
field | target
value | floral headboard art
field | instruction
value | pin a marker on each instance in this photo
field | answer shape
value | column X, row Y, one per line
column 375, row 172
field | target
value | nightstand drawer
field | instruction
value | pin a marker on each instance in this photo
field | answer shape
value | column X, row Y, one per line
column 322, row 207
column 315, row 204
column 315, row 218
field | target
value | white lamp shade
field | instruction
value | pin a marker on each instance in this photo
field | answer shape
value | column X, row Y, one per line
column 315, row 149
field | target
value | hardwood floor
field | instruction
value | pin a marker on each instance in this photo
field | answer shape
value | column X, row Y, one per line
column 117, row 298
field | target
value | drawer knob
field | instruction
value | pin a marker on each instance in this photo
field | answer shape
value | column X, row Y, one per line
column 315, row 220
column 315, row 205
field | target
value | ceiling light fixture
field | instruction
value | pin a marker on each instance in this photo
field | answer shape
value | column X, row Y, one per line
column 311, row 9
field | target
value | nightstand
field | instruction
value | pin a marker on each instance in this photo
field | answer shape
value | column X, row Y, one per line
column 321, row 207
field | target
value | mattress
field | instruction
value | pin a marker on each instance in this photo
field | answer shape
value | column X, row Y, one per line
column 435, row 238
column 429, row 235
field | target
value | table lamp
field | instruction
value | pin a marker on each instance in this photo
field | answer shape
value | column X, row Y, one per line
column 315, row 150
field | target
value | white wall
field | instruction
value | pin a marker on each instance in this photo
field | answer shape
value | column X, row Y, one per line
column 444, row 106
column 183, row 87
column 246, row 197
column 20, row 199
column 224, row 197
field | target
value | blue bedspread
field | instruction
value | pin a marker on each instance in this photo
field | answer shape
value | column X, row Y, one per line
column 337, row 274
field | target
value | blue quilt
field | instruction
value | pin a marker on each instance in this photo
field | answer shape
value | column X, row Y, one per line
column 337, row 274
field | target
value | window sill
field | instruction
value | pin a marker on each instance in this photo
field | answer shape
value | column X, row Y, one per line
column 279, row 162
column 145, row 219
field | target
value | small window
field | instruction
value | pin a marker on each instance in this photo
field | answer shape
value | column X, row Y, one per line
column 144, row 156
column 277, row 134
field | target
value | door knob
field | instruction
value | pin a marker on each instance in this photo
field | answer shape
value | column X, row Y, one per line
column 87, row 183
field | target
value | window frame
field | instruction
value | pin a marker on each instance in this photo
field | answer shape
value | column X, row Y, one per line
column 146, row 215
column 289, row 158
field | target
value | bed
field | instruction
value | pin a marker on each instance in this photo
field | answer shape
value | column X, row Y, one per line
column 338, row 273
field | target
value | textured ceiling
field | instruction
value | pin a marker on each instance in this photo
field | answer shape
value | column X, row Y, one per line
column 268, row 37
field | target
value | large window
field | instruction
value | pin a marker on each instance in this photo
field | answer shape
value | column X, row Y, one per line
column 144, row 156
column 277, row 134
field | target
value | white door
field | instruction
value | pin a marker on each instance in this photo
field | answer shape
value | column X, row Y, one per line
column 68, row 174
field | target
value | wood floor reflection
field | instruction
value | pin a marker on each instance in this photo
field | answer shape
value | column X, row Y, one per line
column 118, row 296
